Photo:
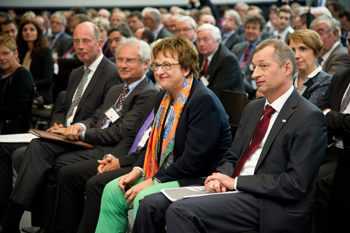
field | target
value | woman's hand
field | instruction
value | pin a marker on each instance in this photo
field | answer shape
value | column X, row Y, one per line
column 129, row 178
column 131, row 194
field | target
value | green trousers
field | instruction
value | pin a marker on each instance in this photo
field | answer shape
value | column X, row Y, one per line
column 114, row 210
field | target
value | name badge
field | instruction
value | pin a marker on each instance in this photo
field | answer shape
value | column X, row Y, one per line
column 112, row 115
column 205, row 81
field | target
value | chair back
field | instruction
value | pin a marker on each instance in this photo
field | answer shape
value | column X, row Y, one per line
column 234, row 104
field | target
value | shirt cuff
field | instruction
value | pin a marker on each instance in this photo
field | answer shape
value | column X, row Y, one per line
column 143, row 173
column 82, row 136
column 236, row 179
column 113, row 157
column 325, row 113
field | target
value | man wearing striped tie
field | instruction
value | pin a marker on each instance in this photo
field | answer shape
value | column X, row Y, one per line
column 104, row 129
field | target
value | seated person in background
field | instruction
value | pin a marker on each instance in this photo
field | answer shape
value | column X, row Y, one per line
column 253, row 26
column 334, row 56
column 17, row 89
column 273, row 160
column 207, row 19
column 335, row 104
column 284, row 20
column 189, row 135
column 145, row 34
column 115, row 37
column 36, row 57
column 187, row 27
column 310, row 81
column 104, row 25
column 9, row 28
column 60, row 41
column 219, row 66
column 101, row 131
column 231, row 21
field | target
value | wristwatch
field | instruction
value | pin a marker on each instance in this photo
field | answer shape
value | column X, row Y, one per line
column 155, row 180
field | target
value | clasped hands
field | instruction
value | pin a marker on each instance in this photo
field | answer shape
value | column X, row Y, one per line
column 129, row 179
column 218, row 183
column 72, row 132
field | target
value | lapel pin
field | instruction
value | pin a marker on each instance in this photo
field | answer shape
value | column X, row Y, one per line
column 284, row 121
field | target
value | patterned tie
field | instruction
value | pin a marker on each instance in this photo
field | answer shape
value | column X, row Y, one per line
column 345, row 101
column 246, row 57
column 205, row 67
column 257, row 138
column 115, row 107
column 279, row 37
column 78, row 94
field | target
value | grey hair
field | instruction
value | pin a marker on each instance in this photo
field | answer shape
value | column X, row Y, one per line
column 245, row 5
column 187, row 18
column 215, row 30
column 155, row 14
column 101, row 22
column 64, row 20
column 144, row 48
column 321, row 10
column 282, row 54
column 332, row 23
column 235, row 15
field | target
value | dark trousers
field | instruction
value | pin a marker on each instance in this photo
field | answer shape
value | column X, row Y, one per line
column 75, row 182
column 216, row 213
column 324, row 185
column 35, row 186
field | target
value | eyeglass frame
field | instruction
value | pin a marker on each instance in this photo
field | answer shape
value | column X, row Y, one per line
column 153, row 65
column 323, row 33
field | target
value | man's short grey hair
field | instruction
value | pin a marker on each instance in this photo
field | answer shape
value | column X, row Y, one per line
column 154, row 14
column 332, row 23
column 64, row 20
column 322, row 10
column 215, row 30
column 101, row 22
column 81, row 17
column 144, row 48
column 282, row 54
column 189, row 19
column 235, row 15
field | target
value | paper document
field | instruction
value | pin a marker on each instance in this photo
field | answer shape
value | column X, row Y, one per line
column 17, row 138
column 175, row 194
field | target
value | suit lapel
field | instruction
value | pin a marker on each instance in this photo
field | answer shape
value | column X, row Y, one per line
column 241, row 51
column 286, row 112
column 76, row 81
column 342, row 89
column 213, row 63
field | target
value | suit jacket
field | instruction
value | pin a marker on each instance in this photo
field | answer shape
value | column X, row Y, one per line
column 285, row 175
column 131, row 110
column 105, row 76
column 232, row 41
column 16, row 101
column 202, row 137
column 339, row 59
column 62, row 44
column 163, row 33
column 123, row 147
column 223, row 72
column 41, row 69
column 337, row 123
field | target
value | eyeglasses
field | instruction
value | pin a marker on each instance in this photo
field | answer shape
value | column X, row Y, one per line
column 322, row 33
column 165, row 66
column 128, row 61
column 183, row 29
column 55, row 22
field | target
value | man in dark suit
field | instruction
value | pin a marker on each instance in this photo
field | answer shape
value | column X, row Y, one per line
column 335, row 57
column 153, row 20
column 60, row 41
column 284, row 20
column 331, row 188
column 254, row 26
column 274, row 160
column 104, row 129
column 104, row 76
column 187, row 27
column 219, row 67
column 80, row 187
column 230, row 25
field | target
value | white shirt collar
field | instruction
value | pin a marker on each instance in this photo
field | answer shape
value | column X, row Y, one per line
column 326, row 55
column 156, row 32
column 278, row 103
column 94, row 65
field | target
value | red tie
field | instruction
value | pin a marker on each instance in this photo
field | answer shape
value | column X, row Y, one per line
column 116, row 106
column 205, row 67
column 257, row 138
column 278, row 37
column 246, row 57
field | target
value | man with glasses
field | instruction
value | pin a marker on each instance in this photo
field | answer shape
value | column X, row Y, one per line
column 60, row 41
column 334, row 56
column 187, row 27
